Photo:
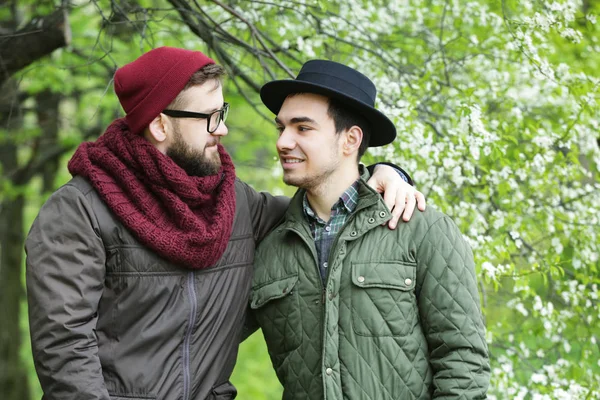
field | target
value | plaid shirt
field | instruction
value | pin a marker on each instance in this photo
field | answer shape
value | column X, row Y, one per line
column 323, row 232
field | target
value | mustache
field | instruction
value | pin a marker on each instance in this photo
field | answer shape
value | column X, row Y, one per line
column 212, row 143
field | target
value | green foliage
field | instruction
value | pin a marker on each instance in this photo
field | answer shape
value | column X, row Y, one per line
column 496, row 109
column 253, row 375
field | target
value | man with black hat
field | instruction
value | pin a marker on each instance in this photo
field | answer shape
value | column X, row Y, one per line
column 139, row 268
column 350, row 309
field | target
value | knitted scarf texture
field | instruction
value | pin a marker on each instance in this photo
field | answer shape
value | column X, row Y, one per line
column 186, row 219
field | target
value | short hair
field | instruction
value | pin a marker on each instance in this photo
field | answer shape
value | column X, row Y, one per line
column 345, row 117
column 208, row 72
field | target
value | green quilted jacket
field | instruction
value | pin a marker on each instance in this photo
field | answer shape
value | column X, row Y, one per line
column 398, row 317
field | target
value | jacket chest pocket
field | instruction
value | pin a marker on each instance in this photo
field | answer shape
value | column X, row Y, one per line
column 383, row 298
column 276, row 307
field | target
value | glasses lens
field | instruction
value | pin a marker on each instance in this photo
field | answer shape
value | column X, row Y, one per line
column 214, row 120
column 225, row 111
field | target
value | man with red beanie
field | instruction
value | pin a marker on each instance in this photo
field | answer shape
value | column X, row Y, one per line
column 139, row 268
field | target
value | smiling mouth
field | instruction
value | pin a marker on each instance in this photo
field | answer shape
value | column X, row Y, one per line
column 290, row 160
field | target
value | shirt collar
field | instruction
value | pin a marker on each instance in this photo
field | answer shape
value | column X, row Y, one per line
column 348, row 200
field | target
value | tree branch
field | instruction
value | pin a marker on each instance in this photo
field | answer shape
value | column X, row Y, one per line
column 40, row 37
column 37, row 163
column 205, row 32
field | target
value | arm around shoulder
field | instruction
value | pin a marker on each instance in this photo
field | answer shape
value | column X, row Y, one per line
column 266, row 210
column 450, row 312
column 65, row 277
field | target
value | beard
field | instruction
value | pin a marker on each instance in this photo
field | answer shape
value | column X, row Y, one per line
column 194, row 162
column 309, row 182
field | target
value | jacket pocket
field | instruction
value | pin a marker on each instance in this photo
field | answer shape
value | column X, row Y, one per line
column 276, row 308
column 383, row 298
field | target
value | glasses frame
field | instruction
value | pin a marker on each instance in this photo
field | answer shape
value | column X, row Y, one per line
column 223, row 112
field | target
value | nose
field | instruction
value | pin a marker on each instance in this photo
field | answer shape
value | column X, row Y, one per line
column 221, row 130
column 286, row 141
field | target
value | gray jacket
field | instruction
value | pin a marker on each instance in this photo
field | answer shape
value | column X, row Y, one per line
column 109, row 319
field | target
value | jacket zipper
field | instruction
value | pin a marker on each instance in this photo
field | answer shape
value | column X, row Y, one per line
column 334, row 249
column 188, row 334
column 323, row 284
column 330, row 265
column 332, row 252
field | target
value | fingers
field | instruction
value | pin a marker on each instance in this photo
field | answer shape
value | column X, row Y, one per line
column 390, row 195
column 398, row 208
column 404, row 206
column 421, row 203
column 411, row 202
column 374, row 183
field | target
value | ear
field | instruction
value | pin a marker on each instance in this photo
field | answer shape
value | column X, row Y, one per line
column 352, row 139
column 158, row 131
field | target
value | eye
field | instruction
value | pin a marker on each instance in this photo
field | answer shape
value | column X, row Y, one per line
column 303, row 128
column 280, row 129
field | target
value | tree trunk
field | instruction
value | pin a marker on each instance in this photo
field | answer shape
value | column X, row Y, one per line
column 13, row 374
column 48, row 120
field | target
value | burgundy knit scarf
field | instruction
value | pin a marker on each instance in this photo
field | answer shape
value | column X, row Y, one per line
column 185, row 219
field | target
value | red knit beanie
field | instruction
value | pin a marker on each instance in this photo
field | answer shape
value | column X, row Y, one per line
column 149, row 84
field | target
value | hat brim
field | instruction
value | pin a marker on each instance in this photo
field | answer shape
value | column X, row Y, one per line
column 274, row 93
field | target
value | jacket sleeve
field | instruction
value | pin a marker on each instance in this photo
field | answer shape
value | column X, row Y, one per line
column 250, row 324
column 65, row 277
column 266, row 211
column 403, row 174
column 450, row 313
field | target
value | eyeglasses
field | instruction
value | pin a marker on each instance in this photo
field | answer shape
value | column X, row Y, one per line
column 212, row 120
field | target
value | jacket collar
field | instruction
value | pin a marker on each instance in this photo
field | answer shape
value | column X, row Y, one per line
column 368, row 198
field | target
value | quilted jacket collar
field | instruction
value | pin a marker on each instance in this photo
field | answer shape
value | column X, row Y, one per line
column 368, row 198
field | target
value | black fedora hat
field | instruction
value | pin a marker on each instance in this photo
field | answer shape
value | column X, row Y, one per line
column 334, row 80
